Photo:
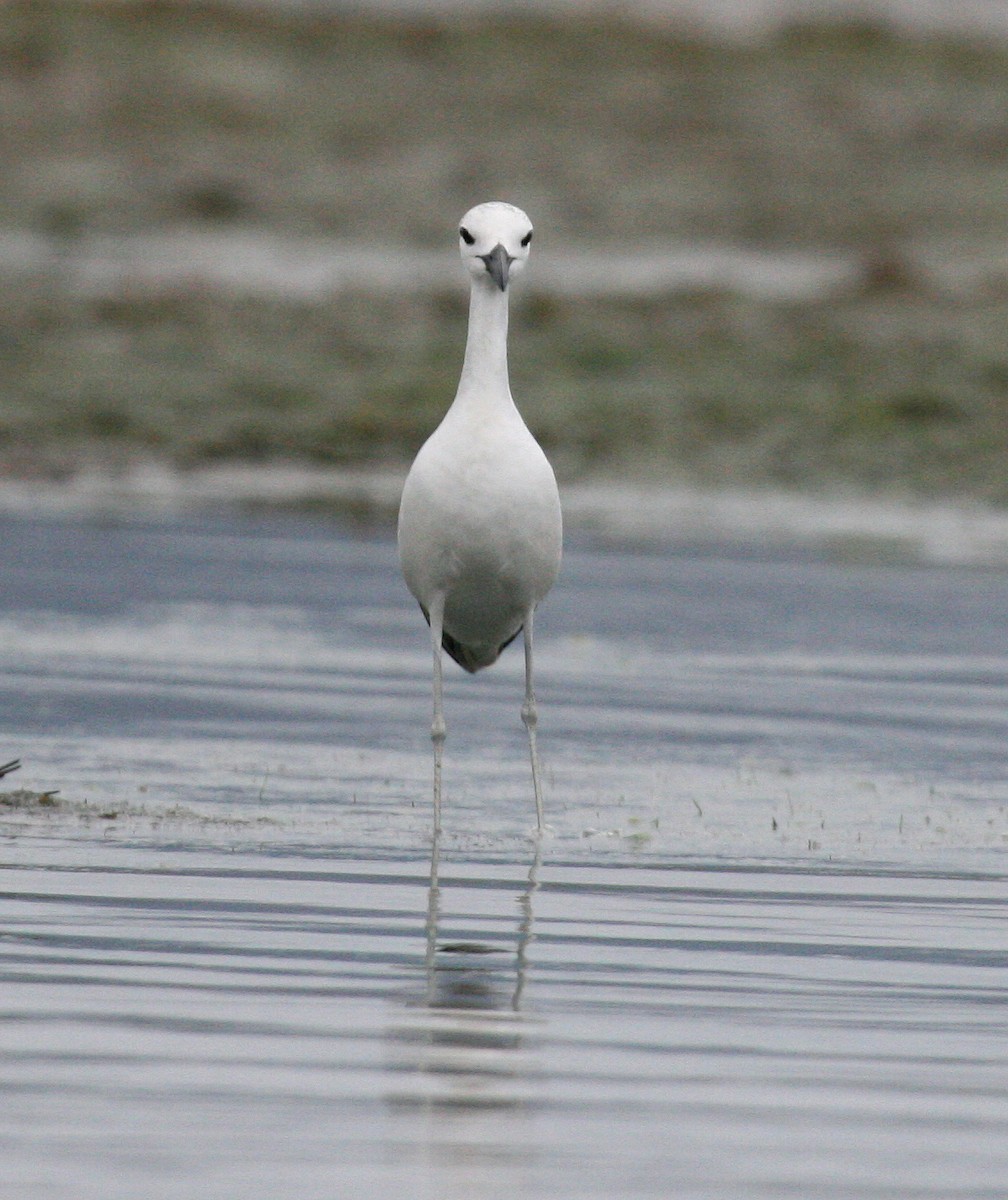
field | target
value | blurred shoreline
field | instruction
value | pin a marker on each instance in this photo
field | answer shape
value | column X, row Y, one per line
column 268, row 264
column 729, row 18
column 649, row 515
column 777, row 266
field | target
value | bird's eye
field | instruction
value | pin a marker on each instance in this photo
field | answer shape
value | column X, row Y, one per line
column 527, row 238
column 466, row 236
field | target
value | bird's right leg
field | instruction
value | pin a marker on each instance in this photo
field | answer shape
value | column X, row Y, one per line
column 433, row 914
column 530, row 718
column 438, row 727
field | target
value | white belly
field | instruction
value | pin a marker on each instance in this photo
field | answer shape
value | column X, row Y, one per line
column 484, row 530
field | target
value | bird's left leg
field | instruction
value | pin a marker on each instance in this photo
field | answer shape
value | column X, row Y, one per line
column 438, row 727
column 433, row 915
column 531, row 719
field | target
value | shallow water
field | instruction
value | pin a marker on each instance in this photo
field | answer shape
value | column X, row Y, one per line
column 760, row 951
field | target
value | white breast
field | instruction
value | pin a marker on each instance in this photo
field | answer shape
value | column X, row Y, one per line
column 480, row 521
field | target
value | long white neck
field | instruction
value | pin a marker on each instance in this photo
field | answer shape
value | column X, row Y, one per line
column 485, row 367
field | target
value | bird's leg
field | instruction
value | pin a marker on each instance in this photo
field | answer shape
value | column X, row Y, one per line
column 531, row 719
column 438, row 727
column 433, row 913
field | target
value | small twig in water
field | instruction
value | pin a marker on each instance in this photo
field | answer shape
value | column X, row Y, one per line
column 6, row 768
column 696, row 805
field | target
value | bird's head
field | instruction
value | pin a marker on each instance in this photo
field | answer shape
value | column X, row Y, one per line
column 494, row 240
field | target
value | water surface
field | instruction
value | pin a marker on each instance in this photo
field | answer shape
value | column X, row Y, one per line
column 760, row 951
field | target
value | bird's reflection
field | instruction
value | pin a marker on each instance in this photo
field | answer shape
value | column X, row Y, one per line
column 463, row 1043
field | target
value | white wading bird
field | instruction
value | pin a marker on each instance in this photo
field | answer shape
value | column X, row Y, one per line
column 479, row 523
